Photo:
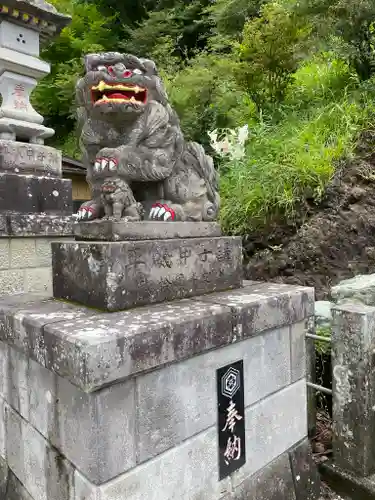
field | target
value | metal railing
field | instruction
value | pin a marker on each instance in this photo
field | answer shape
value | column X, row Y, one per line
column 318, row 387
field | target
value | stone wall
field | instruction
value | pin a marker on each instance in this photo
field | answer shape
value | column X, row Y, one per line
column 25, row 251
column 147, row 427
column 25, row 265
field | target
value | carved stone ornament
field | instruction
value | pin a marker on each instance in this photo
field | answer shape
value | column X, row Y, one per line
column 37, row 15
column 138, row 164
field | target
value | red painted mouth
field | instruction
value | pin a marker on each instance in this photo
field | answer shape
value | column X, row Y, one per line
column 105, row 92
column 108, row 189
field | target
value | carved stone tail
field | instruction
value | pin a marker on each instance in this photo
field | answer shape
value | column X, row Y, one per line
column 205, row 167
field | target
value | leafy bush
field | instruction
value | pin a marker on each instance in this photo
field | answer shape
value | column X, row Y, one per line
column 348, row 26
column 294, row 157
column 229, row 16
column 320, row 80
column 273, row 44
column 323, row 347
column 184, row 24
column 206, row 96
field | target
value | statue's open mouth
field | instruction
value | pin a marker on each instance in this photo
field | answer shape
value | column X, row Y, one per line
column 108, row 189
column 106, row 92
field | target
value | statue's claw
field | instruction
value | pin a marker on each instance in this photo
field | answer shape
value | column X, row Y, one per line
column 85, row 213
column 162, row 212
column 103, row 163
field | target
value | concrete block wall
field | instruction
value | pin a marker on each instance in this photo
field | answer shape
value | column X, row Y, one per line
column 42, row 415
column 154, row 435
column 25, row 265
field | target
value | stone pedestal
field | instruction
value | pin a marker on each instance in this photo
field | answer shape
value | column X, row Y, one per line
column 33, row 194
column 123, row 406
column 35, row 210
column 26, row 158
column 119, row 275
column 126, row 401
column 105, row 230
column 35, row 202
column 25, row 251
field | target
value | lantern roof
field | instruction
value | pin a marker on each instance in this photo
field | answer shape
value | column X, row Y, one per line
column 38, row 15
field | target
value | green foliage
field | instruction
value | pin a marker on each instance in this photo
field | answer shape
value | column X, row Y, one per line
column 320, row 80
column 346, row 25
column 294, row 157
column 123, row 14
column 184, row 26
column 206, row 96
column 273, row 44
column 229, row 16
column 323, row 347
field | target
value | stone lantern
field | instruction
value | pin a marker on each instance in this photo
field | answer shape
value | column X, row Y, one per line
column 35, row 201
column 22, row 25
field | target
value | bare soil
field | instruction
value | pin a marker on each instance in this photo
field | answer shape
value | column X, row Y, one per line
column 338, row 239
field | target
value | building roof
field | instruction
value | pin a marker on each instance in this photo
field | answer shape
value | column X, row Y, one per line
column 71, row 166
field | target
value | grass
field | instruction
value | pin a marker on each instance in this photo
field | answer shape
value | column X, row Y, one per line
column 292, row 154
column 323, row 347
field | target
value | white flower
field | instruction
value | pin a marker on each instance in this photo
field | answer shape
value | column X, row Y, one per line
column 225, row 145
column 232, row 144
column 213, row 136
column 243, row 134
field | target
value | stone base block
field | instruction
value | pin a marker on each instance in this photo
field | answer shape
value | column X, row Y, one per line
column 35, row 225
column 33, row 194
column 21, row 158
column 124, row 406
column 145, row 230
column 114, row 276
column 292, row 476
column 25, row 251
column 93, row 350
column 353, row 400
column 348, row 484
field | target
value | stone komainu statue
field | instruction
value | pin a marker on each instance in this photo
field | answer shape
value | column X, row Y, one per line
column 133, row 147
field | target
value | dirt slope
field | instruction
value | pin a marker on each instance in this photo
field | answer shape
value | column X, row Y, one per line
column 338, row 241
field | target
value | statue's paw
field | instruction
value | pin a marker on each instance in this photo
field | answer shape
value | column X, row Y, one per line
column 86, row 213
column 107, row 159
column 106, row 163
column 162, row 212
